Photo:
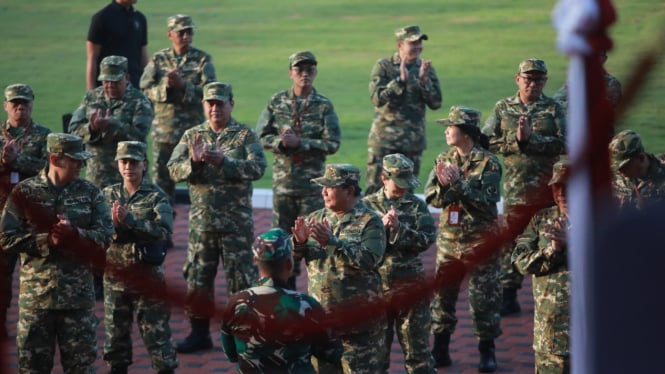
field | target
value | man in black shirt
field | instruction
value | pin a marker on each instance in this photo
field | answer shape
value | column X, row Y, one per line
column 117, row 29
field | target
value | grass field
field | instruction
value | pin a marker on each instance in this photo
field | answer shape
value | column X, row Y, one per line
column 475, row 48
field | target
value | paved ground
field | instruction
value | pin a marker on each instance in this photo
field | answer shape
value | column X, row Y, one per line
column 514, row 353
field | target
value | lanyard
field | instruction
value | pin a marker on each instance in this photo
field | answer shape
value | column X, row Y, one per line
column 297, row 116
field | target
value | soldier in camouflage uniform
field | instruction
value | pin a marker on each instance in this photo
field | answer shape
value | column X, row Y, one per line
column 60, row 226
column 528, row 130
column 23, row 155
column 141, row 213
column 301, row 128
column 542, row 250
column 269, row 328
column 218, row 159
column 612, row 85
column 639, row 179
column 410, row 230
column 343, row 246
column 108, row 114
column 401, row 86
column 173, row 80
column 464, row 183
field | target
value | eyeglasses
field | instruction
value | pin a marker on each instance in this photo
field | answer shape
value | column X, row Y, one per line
column 529, row 80
column 310, row 69
column 184, row 32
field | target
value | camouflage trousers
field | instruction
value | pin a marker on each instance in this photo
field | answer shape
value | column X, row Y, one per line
column 203, row 255
column 161, row 153
column 510, row 277
column 484, row 296
column 40, row 329
column 286, row 208
column 552, row 364
column 152, row 317
column 412, row 325
column 362, row 350
column 375, row 166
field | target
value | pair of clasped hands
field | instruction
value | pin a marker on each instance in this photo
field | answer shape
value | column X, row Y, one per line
column 10, row 152
column 199, row 152
column 557, row 232
column 62, row 231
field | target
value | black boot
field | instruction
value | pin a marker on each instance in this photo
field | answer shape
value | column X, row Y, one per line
column 198, row 339
column 440, row 351
column 118, row 370
column 509, row 305
column 487, row 359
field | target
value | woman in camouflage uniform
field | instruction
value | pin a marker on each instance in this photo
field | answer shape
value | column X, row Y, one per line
column 465, row 184
column 141, row 214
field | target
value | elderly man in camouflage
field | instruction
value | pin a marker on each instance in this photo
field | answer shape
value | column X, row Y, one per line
column 108, row 114
column 142, row 214
column 401, row 86
column 528, row 130
column 22, row 155
column 542, row 250
column 464, row 183
column 173, row 80
column 59, row 224
column 639, row 179
column 410, row 230
column 269, row 328
column 301, row 128
column 343, row 246
column 218, row 159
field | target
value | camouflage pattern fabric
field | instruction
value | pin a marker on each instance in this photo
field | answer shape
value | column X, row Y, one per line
column 131, row 119
column 399, row 113
column 534, row 255
column 319, row 133
column 551, row 364
column 268, row 328
column 401, row 270
column 612, row 84
column 344, row 274
column 475, row 195
column 175, row 110
column 639, row 193
column 149, row 218
column 220, row 216
column 30, row 160
column 56, row 287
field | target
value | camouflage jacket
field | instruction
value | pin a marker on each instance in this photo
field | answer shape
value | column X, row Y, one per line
column 31, row 158
column 346, row 269
column 399, row 107
column 416, row 234
column 270, row 329
column 528, row 164
column 55, row 277
column 319, row 133
column 475, row 195
column 612, row 85
column 534, row 254
column 149, row 218
column 639, row 193
column 221, row 197
column 175, row 110
column 131, row 119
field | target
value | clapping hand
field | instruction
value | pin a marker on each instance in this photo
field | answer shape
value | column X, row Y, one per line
column 9, row 152
column 99, row 122
column 390, row 219
column 174, row 79
column 290, row 139
column 446, row 173
column 422, row 73
column 118, row 213
column 524, row 129
column 300, row 230
column 62, row 231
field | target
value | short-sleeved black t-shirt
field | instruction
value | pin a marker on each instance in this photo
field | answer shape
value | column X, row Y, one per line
column 121, row 32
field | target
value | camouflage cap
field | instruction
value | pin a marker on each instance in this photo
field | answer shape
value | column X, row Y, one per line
column 68, row 144
column 410, row 34
column 399, row 168
column 112, row 68
column 179, row 22
column 131, row 149
column 560, row 172
column 217, row 91
column 19, row 91
column 338, row 175
column 272, row 245
column 300, row 57
column 461, row 115
column 532, row 64
column 624, row 146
